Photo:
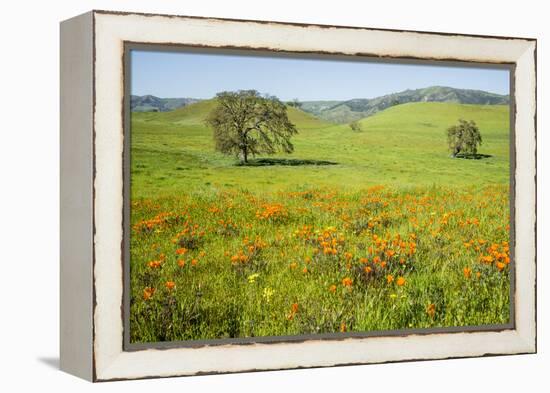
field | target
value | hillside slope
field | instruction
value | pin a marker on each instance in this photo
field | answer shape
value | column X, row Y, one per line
column 355, row 109
column 150, row 103
column 196, row 114
column 404, row 145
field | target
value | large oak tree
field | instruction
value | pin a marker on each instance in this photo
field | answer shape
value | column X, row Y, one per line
column 246, row 123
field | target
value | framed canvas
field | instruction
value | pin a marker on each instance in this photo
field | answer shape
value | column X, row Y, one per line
column 243, row 195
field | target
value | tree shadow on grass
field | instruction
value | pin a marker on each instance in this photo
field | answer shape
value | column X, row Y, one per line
column 284, row 162
column 470, row 156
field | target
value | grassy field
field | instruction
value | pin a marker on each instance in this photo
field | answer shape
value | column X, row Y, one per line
column 357, row 231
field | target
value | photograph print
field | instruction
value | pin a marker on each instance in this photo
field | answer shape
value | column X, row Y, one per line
column 276, row 196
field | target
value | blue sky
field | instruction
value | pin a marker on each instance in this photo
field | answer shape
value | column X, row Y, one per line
column 202, row 75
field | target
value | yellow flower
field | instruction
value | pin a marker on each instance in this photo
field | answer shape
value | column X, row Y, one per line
column 332, row 288
column 389, row 278
column 268, row 293
column 252, row 278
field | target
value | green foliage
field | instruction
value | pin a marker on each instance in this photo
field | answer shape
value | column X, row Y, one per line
column 295, row 103
column 246, row 123
column 355, row 126
column 464, row 138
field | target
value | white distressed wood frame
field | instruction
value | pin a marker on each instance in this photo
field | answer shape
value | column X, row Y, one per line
column 92, row 90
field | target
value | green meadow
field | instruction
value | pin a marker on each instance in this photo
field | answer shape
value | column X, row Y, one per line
column 378, row 229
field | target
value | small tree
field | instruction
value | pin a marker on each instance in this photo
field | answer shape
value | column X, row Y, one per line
column 295, row 103
column 246, row 123
column 463, row 137
column 355, row 126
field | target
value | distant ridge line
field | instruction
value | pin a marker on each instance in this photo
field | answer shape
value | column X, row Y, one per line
column 345, row 111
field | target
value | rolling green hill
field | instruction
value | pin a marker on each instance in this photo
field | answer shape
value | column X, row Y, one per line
column 150, row 103
column 355, row 109
column 404, row 145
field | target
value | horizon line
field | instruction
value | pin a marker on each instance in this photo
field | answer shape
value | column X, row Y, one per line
column 326, row 99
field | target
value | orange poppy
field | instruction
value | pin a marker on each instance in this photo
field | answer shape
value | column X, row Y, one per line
column 430, row 310
column 347, row 282
column 148, row 292
column 170, row 284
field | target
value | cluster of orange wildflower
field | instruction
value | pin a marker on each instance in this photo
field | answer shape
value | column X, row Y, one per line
column 148, row 293
column 400, row 280
column 272, row 211
column 390, row 250
column 470, row 221
column 293, row 311
column 347, row 282
column 189, row 231
column 156, row 263
column 497, row 254
column 250, row 250
column 305, row 232
column 329, row 242
column 160, row 220
column 194, row 261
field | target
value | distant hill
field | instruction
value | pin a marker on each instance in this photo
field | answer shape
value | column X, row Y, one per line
column 346, row 111
column 358, row 108
column 150, row 103
column 196, row 113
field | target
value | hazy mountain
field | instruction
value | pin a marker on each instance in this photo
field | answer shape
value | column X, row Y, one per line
column 149, row 103
column 347, row 111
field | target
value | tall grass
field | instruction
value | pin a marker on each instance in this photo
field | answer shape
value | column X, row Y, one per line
column 218, row 263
